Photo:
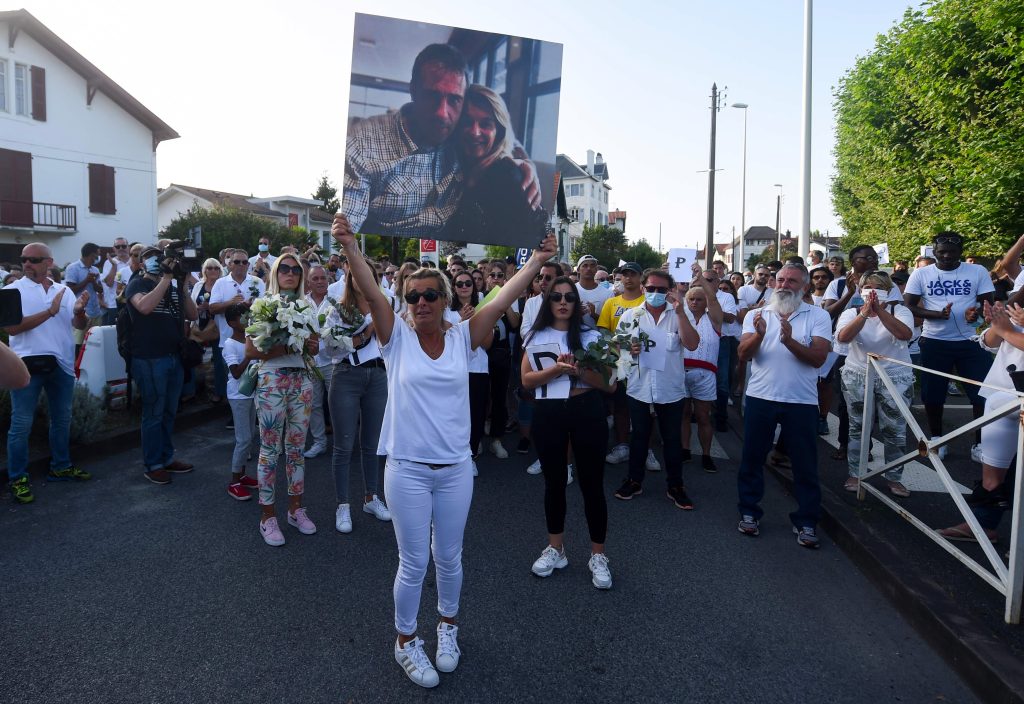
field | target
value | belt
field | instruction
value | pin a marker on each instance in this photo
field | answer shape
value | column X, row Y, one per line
column 375, row 362
column 440, row 466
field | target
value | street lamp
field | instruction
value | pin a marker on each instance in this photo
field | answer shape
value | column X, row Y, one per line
column 778, row 223
column 743, row 207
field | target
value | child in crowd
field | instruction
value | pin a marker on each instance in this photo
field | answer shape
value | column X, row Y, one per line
column 243, row 410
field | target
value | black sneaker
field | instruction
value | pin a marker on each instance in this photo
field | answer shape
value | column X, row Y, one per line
column 524, row 446
column 807, row 537
column 822, row 426
column 722, row 426
column 687, row 455
column 708, row 464
column 679, row 497
column 749, row 526
column 628, row 490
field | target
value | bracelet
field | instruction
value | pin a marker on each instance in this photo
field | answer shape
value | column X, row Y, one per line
column 861, row 314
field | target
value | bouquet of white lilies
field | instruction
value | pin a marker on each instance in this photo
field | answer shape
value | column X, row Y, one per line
column 341, row 325
column 280, row 320
column 610, row 355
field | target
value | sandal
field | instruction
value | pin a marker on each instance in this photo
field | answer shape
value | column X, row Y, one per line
column 851, row 484
column 964, row 535
column 897, row 489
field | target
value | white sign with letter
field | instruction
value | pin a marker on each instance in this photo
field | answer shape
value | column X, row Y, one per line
column 543, row 357
column 679, row 263
column 653, row 349
column 882, row 250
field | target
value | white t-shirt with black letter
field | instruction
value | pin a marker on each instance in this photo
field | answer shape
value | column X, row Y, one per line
column 960, row 287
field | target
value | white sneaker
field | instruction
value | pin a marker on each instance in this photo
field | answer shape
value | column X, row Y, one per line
column 315, row 451
column 599, row 569
column 568, row 475
column 549, row 561
column 953, row 389
column 976, row 453
column 447, row 647
column 375, row 507
column 619, row 454
column 476, row 472
column 534, row 468
column 343, row 519
column 652, row 462
column 413, row 659
column 942, row 450
column 498, row 449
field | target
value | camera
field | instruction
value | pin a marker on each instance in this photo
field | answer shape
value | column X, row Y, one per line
column 187, row 254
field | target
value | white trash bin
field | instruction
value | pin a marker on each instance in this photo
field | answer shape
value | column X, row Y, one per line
column 100, row 366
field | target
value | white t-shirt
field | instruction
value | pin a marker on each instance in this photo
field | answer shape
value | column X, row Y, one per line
column 961, row 287
column 124, row 270
column 832, row 294
column 234, row 353
column 597, row 295
column 729, row 305
column 1019, row 281
column 478, row 357
column 748, row 295
column 530, row 311
column 337, row 289
column 226, row 288
column 269, row 260
column 550, row 336
column 427, row 414
column 873, row 337
column 775, row 373
column 1006, row 355
column 53, row 336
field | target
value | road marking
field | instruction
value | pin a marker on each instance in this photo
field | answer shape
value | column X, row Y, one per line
column 916, row 476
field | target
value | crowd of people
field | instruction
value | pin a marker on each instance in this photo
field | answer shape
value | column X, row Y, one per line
column 440, row 365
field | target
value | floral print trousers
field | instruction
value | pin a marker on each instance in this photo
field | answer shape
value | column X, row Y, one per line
column 284, row 398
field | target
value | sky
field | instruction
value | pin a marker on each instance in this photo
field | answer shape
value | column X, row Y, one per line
column 258, row 92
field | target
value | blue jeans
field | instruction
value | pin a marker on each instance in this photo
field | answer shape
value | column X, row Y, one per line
column 670, row 425
column 357, row 398
column 160, row 380
column 799, row 421
column 59, row 387
column 728, row 348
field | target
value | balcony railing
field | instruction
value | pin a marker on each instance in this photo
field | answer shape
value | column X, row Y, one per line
column 18, row 213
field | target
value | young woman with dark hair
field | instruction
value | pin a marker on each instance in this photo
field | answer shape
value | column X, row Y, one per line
column 579, row 419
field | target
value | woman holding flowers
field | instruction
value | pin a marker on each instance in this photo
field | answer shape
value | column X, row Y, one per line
column 425, row 435
column 579, row 419
column 284, row 345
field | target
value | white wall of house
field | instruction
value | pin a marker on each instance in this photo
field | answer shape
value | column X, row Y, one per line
column 173, row 204
column 73, row 136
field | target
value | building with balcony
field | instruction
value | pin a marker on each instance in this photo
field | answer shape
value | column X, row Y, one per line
column 77, row 152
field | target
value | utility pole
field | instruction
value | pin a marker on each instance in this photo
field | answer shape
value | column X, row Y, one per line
column 715, row 107
column 659, row 238
column 804, row 233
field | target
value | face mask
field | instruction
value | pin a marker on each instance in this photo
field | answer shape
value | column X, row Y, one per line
column 655, row 300
column 617, row 288
column 152, row 265
column 264, row 247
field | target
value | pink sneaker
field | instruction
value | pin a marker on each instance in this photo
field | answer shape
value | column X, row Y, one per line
column 300, row 520
column 271, row 533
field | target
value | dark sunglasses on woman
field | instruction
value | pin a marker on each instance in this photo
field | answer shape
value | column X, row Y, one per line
column 413, row 297
column 463, row 284
column 286, row 269
column 569, row 297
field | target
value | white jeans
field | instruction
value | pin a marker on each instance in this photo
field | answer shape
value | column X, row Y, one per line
column 420, row 498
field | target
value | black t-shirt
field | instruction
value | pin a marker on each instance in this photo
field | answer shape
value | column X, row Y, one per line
column 157, row 334
column 497, row 205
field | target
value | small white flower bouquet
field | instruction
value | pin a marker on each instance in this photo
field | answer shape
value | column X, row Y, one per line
column 341, row 325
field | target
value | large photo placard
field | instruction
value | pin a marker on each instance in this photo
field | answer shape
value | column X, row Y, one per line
column 451, row 133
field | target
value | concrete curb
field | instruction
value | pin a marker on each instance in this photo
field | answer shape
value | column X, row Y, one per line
column 189, row 417
column 985, row 663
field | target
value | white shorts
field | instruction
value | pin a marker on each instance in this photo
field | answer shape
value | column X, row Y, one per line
column 701, row 384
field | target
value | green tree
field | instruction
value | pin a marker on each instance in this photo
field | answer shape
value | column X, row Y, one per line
column 327, row 194
column 930, row 130
column 230, row 227
column 498, row 251
column 643, row 254
column 607, row 244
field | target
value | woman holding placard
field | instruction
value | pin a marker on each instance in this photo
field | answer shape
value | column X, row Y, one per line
column 568, row 408
column 428, row 478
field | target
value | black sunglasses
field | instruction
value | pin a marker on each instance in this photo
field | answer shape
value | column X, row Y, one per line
column 569, row 297
column 497, row 274
column 413, row 297
column 239, row 261
column 948, row 239
column 120, row 246
column 34, row 260
column 286, row 269
column 656, row 289
column 464, row 284
column 870, row 255
column 541, row 277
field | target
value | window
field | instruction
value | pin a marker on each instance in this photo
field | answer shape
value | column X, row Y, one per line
column 101, row 189
column 592, row 215
column 3, row 85
column 21, row 89
column 499, row 69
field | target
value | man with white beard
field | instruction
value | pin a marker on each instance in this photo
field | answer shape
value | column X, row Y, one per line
column 787, row 341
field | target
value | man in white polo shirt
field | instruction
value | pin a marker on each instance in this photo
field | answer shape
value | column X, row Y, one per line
column 786, row 342
column 238, row 287
column 116, row 268
column 44, row 342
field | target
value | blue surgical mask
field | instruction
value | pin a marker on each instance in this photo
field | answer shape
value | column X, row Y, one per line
column 655, row 300
column 152, row 265
column 264, row 247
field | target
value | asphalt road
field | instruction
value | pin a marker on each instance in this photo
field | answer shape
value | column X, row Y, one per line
column 118, row 590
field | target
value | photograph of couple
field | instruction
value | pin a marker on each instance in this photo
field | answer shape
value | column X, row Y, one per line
column 451, row 133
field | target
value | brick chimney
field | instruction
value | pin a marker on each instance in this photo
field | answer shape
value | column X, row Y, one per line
column 590, row 162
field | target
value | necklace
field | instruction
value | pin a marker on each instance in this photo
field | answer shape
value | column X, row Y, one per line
column 433, row 351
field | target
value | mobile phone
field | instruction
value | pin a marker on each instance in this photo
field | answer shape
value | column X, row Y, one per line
column 10, row 307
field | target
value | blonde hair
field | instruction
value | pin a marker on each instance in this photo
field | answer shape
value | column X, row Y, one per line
column 211, row 262
column 401, row 275
column 879, row 278
column 300, row 288
column 486, row 99
column 444, row 286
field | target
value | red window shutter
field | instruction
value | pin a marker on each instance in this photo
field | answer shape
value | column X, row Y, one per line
column 38, row 93
column 15, row 188
column 108, row 190
column 95, row 188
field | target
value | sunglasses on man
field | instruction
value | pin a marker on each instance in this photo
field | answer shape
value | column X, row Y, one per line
column 948, row 239
column 542, row 277
column 120, row 246
column 33, row 260
column 239, row 262
column 656, row 289
column 413, row 297
column 568, row 297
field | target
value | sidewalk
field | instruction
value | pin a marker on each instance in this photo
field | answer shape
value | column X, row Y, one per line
column 952, row 608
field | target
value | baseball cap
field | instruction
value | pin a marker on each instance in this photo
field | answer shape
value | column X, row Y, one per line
column 632, row 266
column 586, row 258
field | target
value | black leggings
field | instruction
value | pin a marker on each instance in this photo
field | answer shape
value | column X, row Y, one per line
column 581, row 421
column 498, row 368
column 478, row 387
